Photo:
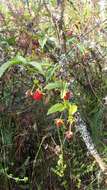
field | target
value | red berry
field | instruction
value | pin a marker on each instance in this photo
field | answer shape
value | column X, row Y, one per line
column 59, row 122
column 37, row 95
column 69, row 33
column 68, row 95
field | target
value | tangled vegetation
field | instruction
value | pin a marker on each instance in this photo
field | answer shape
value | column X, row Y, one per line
column 52, row 71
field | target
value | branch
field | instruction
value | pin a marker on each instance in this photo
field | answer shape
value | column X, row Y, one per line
column 81, row 127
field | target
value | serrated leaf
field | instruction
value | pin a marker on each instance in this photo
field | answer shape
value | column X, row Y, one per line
column 56, row 108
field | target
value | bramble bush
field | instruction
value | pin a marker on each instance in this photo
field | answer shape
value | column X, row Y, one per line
column 52, row 66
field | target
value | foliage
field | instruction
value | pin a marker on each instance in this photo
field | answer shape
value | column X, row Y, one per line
column 58, row 49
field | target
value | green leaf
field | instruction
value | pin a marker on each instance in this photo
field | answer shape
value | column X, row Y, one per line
column 64, row 89
column 53, row 85
column 20, row 59
column 37, row 66
column 4, row 67
column 72, row 109
column 17, row 60
column 51, row 72
column 56, row 108
column 11, row 41
column 43, row 41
